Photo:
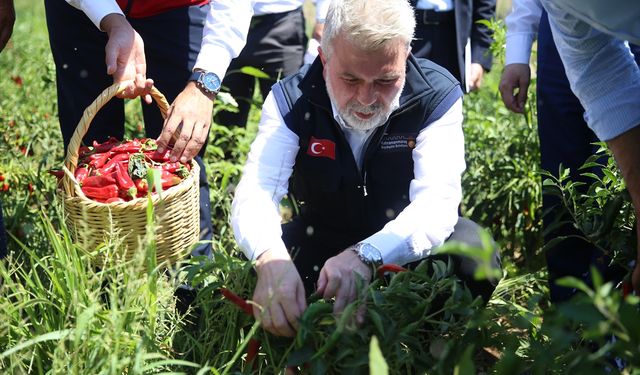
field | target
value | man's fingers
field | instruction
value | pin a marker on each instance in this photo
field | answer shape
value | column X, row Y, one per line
column 331, row 289
column 279, row 323
column 168, row 129
column 181, row 143
column 345, row 295
column 198, row 138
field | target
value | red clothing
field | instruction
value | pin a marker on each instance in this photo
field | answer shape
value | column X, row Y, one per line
column 147, row 8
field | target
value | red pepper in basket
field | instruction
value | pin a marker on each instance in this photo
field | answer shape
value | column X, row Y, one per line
column 110, row 166
column 99, row 181
column 169, row 179
column 141, row 185
column 102, row 193
column 124, row 181
column 82, row 172
column 97, row 160
column 114, row 200
column 129, row 146
column 158, row 157
column 105, row 146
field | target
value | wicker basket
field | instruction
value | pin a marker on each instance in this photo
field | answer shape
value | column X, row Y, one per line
column 176, row 215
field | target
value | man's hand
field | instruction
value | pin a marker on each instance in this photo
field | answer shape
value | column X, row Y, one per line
column 189, row 117
column 280, row 292
column 475, row 76
column 338, row 278
column 7, row 19
column 125, row 57
column 515, row 76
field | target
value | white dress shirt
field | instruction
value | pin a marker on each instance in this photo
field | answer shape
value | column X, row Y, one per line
column 226, row 27
column 522, row 29
column 435, row 192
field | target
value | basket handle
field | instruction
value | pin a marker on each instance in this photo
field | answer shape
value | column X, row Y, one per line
column 71, row 159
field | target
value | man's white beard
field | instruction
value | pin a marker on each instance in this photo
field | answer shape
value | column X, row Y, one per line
column 354, row 122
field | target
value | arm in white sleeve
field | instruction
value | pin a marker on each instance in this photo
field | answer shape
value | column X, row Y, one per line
column 435, row 193
column 224, row 35
column 96, row 10
column 522, row 29
column 255, row 215
column 322, row 7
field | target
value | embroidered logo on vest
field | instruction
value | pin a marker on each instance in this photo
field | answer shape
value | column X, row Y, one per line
column 322, row 148
column 397, row 142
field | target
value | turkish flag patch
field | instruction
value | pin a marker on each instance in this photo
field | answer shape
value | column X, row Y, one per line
column 322, row 148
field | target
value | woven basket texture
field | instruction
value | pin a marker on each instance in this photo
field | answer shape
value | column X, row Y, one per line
column 176, row 212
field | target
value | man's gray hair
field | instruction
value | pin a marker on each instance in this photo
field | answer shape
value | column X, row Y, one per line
column 369, row 24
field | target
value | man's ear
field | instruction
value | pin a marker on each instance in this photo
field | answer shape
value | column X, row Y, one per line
column 323, row 57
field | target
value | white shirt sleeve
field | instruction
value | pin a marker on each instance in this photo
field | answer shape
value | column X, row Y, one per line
column 522, row 29
column 255, row 215
column 322, row 7
column 96, row 10
column 225, row 34
column 435, row 193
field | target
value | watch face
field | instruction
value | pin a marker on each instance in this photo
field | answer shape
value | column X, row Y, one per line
column 370, row 252
column 211, row 82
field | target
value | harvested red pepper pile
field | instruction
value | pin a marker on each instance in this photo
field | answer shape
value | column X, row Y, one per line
column 116, row 171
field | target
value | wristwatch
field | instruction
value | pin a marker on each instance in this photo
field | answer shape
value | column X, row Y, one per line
column 368, row 254
column 208, row 82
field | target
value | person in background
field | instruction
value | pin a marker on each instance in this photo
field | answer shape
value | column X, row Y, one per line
column 565, row 138
column 590, row 37
column 369, row 140
column 449, row 34
column 184, row 45
column 7, row 19
column 276, row 45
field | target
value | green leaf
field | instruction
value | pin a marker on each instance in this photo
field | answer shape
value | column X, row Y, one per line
column 377, row 363
column 254, row 72
column 55, row 335
column 465, row 363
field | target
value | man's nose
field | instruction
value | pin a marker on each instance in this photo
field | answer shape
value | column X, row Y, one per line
column 367, row 94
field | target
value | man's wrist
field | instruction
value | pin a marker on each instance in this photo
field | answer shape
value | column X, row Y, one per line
column 113, row 21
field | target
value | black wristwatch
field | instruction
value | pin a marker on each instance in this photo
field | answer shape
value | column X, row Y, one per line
column 368, row 254
column 208, row 82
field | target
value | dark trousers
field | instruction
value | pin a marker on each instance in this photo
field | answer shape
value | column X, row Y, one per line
column 172, row 42
column 435, row 39
column 565, row 139
column 275, row 45
column 311, row 246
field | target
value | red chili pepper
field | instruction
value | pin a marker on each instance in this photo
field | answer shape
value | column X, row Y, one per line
column 252, row 351
column 58, row 173
column 2, row 176
column 30, row 187
column 124, row 180
column 389, row 268
column 627, row 288
column 105, row 146
column 97, row 160
column 159, row 157
column 5, row 187
column 114, row 200
column 99, row 181
column 169, row 179
column 129, row 146
column 104, row 193
column 237, row 300
column 81, row 173
column 110, row 166
column 141, row 185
